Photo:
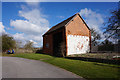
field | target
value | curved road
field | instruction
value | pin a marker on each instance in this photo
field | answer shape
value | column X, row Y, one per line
column 13, row 67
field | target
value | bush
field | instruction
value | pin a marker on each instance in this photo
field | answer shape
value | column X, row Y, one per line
column 7, row 42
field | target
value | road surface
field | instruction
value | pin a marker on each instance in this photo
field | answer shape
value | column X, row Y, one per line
column 13, row 67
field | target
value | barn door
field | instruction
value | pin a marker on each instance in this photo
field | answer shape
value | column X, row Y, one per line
column 57, row 39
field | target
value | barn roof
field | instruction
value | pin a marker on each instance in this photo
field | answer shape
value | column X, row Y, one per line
column 63, row 23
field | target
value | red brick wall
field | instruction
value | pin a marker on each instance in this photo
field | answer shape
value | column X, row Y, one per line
column 47, row 40
column 77, row 27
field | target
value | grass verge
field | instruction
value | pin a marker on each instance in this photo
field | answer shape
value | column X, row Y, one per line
column 88, row 70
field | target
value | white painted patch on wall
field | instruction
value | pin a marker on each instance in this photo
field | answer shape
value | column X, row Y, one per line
column 77, row 44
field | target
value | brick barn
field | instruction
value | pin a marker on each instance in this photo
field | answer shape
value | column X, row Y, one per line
column 72, row 32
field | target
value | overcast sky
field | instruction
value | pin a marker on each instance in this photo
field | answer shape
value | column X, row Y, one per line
column 30, row 20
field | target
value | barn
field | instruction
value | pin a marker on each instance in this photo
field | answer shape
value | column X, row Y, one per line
column 71, row 36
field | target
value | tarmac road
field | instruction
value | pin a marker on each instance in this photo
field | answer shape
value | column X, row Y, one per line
column 13, row 67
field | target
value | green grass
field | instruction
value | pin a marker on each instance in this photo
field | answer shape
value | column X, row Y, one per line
column 85, row 69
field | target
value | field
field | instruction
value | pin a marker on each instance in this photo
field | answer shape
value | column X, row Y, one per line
column 88, row 70
column 97, row 55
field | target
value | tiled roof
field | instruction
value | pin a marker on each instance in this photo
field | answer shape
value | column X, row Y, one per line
column 63, row 23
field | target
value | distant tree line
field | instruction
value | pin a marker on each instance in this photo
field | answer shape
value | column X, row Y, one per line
column 106, row 46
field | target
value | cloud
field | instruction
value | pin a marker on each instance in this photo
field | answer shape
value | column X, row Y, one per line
column 19, row 36
column 94, row 20
column 31, row 0
column 34, row 43
column 34, row 3
column 34, row 16
column 28, row 27
column 35, row 22
column 2, row 30
column 61, row 17
column 33, row 26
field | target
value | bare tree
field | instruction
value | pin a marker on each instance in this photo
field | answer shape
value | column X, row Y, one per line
column 95, row 37
column 28, row 45
column 113, row 24
column 62, row 48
